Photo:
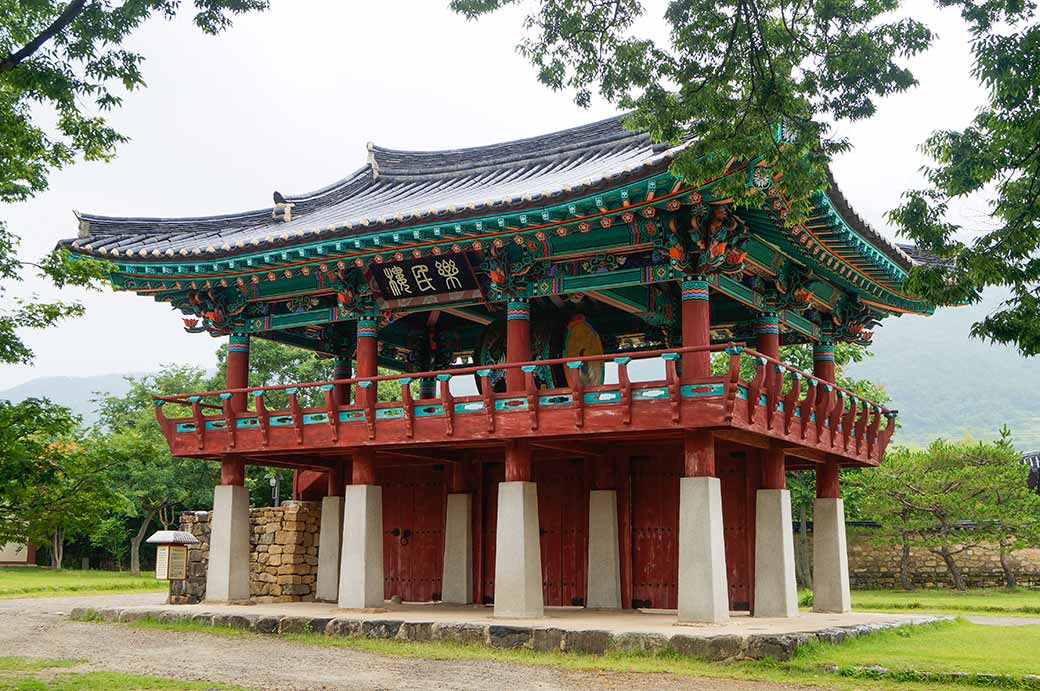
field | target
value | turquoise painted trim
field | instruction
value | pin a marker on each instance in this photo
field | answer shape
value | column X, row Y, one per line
column 281, row 421
column 511, row 404
column 555, row 399
column 470, row 407
column 351, row 415
column 429, row 410
column 247, row 422
column 185, row 426
column 389, row 413
column 696, row 390
column 593, row 397
column 315, row 418
column 650, row 394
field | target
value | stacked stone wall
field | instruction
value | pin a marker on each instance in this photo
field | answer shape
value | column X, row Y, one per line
column 283, row 554
column 874, row 566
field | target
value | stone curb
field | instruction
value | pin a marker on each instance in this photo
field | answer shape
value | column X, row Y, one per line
column 721, row 648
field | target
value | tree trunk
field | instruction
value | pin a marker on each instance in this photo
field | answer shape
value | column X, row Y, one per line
column 904, row 566
column 804, row 568
column 1009, row 572
column 57, row 548
column 135, row 543
column 955, row 571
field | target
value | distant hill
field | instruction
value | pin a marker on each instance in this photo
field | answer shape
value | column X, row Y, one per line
column 75, row 392
column 942, row 382
column 945, row 383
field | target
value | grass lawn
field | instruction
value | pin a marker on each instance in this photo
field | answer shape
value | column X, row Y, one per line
column 23, row 581
column 995, row 601
column 941, row 648
column 32, row 674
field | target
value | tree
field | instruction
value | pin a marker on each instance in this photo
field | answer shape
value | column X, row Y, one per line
column 138, row 459
column 762, row 81
column 60, row 63
column 951, row 497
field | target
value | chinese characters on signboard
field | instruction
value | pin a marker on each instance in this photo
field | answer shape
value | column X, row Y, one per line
column 426, row 281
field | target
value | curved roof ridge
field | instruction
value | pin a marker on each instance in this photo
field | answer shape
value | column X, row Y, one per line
column 862, row 226
column 387, row 162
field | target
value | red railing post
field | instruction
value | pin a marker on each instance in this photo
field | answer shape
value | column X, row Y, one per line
column 447, row 403
column 625, row 385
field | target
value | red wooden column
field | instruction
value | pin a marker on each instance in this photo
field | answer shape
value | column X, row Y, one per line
column 767, row 335
column 343, row 369
column 518, row 461
column 367, row 364
column 823, row 361
column 233, row 472
column 363, row 470
column 699, row 449
column 774, row 476
column 237, row 375
column 696, row 327
column 518, row 345
column 828, row 485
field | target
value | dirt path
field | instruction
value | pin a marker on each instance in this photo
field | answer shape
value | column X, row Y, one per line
column 37, row 627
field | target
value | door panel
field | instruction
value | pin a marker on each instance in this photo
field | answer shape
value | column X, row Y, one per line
column 655, row 531
column 413, row 531
column 733, row 477
column 563, row 520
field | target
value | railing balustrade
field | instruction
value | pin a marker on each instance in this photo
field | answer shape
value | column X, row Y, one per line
column 841, row 421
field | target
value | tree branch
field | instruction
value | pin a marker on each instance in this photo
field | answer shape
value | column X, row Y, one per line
column 72, row 10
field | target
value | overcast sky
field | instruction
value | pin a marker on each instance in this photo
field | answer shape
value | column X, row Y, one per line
column 287, row 100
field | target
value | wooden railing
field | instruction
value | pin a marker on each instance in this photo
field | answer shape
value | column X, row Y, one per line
column 792, row 404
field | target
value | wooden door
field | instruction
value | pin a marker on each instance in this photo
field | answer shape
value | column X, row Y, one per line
column 655, row 531
column 413, row 531
column 738, row 501
column 563, row 519
column 494, row 473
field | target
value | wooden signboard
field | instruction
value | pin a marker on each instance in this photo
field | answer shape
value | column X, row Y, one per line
column 171, row 562
column 428, row 281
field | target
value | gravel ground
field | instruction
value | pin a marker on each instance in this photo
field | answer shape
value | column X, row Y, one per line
column 37, row 627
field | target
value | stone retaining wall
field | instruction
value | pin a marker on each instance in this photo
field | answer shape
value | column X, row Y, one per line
column 781, row 646
column 873, row 566
column 283, row 554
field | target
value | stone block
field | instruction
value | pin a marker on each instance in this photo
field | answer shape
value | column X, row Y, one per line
column 547, row 640
column 713, row 648
column 638, row 643
column 588, row 642
column 265, row 624
column 202, row 618
column 779, row 647
column 508, row 636
column 415, row 631
column 380, row 628
column 172, row 617
column 234, row 621
column 459, row 633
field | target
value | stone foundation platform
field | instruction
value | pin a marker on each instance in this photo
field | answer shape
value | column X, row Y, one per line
column 562, row 629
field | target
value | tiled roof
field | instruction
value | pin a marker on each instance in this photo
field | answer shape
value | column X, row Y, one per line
column 401, row 188
column 398, row 188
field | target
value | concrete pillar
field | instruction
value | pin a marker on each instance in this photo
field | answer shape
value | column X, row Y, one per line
column 703, row 586
column 604, row 569
column 227, row 577
column 830, row 549
column 330, row 542
column 776, row 592
column 361, row 565
column 237, row 372
column 518, row 552
column 830, row 557
column 696, row 328
column 457, row 578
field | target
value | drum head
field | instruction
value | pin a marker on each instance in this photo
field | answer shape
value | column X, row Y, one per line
column 582, row 340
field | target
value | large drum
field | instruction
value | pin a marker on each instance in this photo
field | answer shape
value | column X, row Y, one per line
column 552, row 336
